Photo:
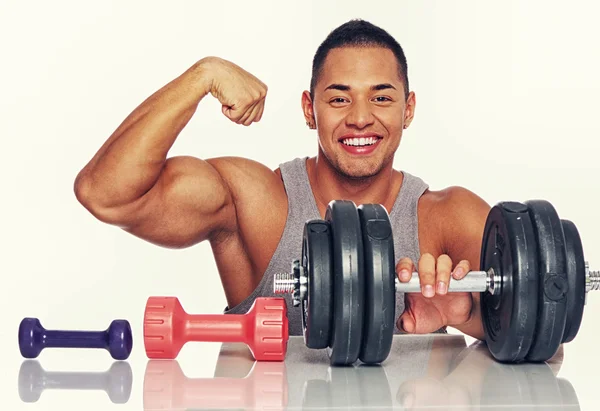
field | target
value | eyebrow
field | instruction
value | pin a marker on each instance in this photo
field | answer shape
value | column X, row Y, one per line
column 344, row 87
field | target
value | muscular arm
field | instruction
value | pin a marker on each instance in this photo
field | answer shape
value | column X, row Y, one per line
column 464, row 224
column 173, row 202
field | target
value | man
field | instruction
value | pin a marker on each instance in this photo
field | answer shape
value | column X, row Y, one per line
column 359, row 102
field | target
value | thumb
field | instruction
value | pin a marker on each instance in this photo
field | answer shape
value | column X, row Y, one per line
column 406, row 322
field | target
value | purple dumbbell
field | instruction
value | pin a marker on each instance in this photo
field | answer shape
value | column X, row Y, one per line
column 33, row 338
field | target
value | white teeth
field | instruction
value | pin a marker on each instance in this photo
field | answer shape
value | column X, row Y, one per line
column 362, row 141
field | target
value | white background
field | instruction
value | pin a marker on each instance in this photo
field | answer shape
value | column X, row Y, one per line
column 507, row 101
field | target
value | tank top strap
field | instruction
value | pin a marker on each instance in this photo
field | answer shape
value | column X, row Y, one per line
column 301, row 200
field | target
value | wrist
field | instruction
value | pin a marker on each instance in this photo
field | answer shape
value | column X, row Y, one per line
column 202, row 72
column 473, row 325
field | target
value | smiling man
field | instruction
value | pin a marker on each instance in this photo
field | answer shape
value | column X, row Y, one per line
column 359, row 102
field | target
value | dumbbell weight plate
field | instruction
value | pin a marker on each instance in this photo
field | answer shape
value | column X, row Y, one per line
column 576, row 279
column 380, row 292
column 552, row 283
column 348, row 282
column 318, row 304
column 509, row 248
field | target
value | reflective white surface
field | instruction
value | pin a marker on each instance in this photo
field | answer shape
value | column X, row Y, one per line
column 422, row 372
column 507, row 97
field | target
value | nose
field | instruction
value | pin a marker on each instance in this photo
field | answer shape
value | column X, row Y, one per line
column 360, row 115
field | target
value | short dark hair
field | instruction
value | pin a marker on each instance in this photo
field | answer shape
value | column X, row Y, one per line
column 358, row 33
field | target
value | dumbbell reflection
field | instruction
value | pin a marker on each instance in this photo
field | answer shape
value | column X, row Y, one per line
column 166, row 387
column 475, row 379
column 116, row 382
column 345, row 387
column 422, row 371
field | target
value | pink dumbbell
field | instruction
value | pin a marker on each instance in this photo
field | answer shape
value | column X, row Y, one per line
column 167, row 327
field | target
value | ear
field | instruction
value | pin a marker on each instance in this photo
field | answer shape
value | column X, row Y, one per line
column 307, row 108
column 409, row 110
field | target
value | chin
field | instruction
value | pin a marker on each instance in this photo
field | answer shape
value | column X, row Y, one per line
column 356, row 168
column 359, row 169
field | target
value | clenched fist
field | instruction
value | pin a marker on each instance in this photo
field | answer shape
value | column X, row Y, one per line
column 240, row 93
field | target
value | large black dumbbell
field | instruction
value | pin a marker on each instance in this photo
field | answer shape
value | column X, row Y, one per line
column 345, row 282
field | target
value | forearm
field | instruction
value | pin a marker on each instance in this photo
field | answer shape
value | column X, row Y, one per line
column 129, row 163
column 474, row 325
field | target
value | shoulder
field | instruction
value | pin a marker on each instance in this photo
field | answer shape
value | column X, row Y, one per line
column 455, row 200
column 241, row 168
column 246, row 177
column 457, row 215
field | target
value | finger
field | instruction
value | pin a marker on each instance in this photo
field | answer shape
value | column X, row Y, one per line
column 404, row 269
column 233, row 113
column 406, row 322
column 246, row 104
column 461, row 269
column 444, row 267
column 260, row 111
column 227, row 111
column 427, row 274
column 253, row 113
column 247, row 114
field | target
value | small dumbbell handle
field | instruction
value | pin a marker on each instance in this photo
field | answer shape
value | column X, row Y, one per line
column 74, row 339
column 216, row 327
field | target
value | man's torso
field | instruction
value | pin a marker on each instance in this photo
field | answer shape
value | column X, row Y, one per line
column 262, row 213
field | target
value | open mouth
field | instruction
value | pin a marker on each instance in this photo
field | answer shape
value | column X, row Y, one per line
column 360, row 145
column 360, row 141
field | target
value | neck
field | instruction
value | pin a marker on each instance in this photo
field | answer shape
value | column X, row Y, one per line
column 328, row 184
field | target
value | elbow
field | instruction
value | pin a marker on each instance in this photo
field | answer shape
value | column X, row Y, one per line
column 82, row 189
column 90, row 198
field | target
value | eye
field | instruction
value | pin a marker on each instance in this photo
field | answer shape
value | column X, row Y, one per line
column 382, row 99
column 338, row 101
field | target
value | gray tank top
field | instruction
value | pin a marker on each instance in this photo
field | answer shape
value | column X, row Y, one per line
column 303, row 207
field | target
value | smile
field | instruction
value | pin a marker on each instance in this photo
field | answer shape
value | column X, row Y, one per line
column 360, row 145
column 360, row 142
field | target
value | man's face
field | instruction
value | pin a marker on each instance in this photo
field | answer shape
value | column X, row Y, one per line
column 359, row 109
